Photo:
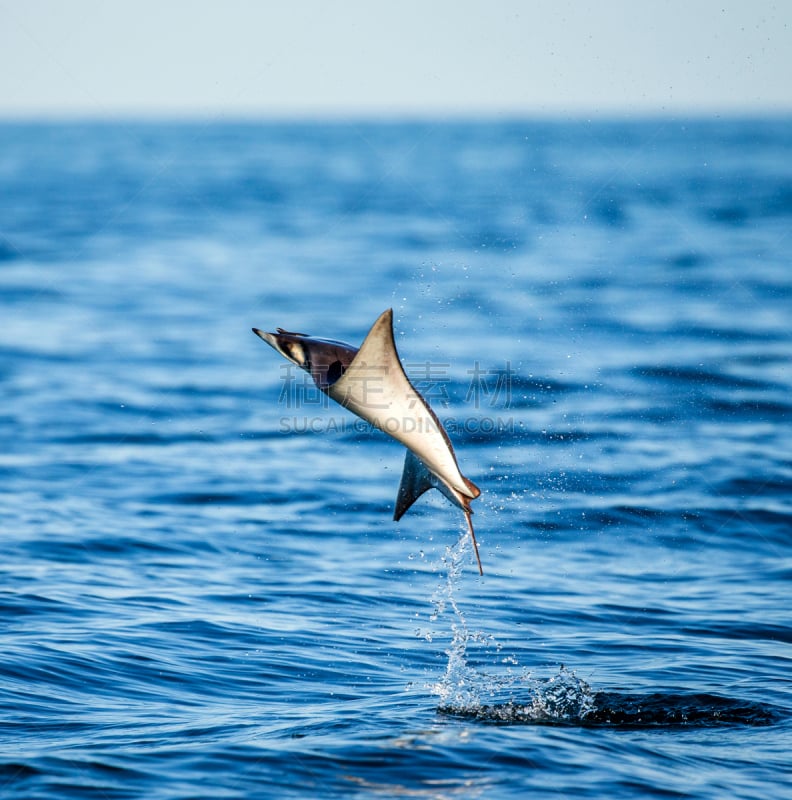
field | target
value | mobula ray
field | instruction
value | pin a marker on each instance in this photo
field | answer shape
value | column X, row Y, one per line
column 371, row 382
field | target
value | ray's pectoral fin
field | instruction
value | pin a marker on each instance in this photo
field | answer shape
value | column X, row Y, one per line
column 417, row 479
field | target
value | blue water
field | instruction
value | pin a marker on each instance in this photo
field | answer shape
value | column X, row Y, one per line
column 202, row 591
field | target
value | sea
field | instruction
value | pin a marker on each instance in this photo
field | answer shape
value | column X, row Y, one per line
column 203, row 593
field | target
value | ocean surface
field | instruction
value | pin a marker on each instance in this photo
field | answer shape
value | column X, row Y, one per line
column 202, row 591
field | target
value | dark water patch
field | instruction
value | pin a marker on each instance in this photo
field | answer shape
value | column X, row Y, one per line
column 672, row 710
column 570, row 437
column 530, row 437
column 780, row 203
column 751, row 409
column 524, row 383
column 13, row 772
column 696, row 377
column 645, row 514
column 768, row 358
column 218, row 498
column 730, row 215
column 8, row 252
column 103, row 546
column 762, row 486
column 81, row 777
column 753, row 632
column 552, row 525
column 726, row 332
column 767, row 202
column 737, row 529
column 198, row 629
column 125, row 438
column 610, row 211
column 22, row 604
column 665, row 415
column 36, row 355
column 53, row 666
column 260, row 436
column 688, row 259
column 27, row 294
column 617, row 710
column 357, row 507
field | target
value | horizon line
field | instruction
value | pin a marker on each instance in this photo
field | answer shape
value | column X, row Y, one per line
column 360, row 114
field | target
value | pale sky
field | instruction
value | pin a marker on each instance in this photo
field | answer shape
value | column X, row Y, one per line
column 351, row 57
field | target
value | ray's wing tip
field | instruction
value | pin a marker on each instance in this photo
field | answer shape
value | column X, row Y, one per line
column 474, row 490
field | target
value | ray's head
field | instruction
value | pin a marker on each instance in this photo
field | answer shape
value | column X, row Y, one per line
column 290, row 345
column 325, row 360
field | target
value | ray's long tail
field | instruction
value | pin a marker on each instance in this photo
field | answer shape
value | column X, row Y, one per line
column 469, row 518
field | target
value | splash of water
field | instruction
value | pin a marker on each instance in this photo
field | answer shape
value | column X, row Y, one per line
column 563, row 698
column 461, row 684
column 469, row 690
column 513, row 696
